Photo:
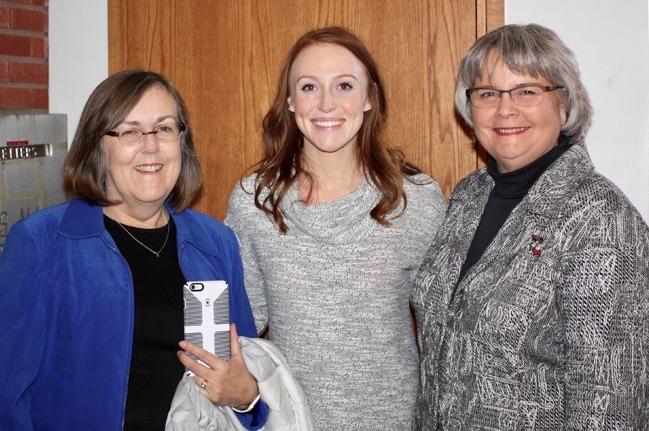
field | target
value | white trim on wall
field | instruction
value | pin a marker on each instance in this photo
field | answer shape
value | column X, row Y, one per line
column 612, row 46
column 78, row 55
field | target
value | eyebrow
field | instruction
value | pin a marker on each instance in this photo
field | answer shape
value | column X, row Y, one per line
column 158, row 120
column 341, row 76
column 524, row 84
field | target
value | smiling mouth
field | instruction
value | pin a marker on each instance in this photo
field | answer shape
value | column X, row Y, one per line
column 327, row 123
column 148, row 168
column 511, row 131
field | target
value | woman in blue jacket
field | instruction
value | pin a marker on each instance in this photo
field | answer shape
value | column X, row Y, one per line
column 92, row 306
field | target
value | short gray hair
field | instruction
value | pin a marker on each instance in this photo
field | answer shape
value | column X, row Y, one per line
column 536, row 51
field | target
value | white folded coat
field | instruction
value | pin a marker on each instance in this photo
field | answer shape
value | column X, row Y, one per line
column 288, row 411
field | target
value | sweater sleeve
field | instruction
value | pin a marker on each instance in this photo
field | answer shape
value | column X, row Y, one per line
column 240, row 206
column 240, row 304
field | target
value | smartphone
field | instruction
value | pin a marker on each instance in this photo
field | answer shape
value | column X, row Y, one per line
column 207, row 316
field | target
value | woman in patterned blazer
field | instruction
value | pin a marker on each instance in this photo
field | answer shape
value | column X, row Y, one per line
column 532, row 304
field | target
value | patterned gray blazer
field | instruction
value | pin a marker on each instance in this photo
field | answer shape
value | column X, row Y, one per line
column 550, row 328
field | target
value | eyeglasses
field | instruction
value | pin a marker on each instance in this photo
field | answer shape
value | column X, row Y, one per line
column 525, row 95
column 167, row 132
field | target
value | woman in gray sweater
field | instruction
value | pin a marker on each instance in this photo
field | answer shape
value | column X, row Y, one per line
column 532, row 304
column 332, row 227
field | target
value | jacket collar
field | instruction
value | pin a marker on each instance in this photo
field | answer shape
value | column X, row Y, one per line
column 82, row 220
column 85, row 220
column 559, row 182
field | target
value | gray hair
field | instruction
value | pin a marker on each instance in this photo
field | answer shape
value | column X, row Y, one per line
column 536, row 51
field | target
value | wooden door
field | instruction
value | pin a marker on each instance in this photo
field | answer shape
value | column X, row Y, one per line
column 225, row 57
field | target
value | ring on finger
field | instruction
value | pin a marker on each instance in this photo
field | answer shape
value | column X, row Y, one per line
column 203, row 384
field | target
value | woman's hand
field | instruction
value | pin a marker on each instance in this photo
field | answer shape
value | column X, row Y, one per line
column 224, row 383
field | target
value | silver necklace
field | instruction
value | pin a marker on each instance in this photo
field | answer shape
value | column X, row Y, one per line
column 157, row 253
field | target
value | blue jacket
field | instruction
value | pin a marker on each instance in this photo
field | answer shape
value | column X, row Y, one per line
column 66, row 315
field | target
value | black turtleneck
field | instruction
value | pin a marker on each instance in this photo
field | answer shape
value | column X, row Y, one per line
column 509, row 189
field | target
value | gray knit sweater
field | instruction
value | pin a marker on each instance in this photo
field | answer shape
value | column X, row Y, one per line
column 334, row 291
column 549, row 330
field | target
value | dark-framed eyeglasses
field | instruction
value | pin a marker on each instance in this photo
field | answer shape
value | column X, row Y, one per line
column 167, row 132
column 524, row 95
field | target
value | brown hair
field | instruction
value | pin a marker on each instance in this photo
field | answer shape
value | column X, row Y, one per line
column 84, row 169
column 281, row 167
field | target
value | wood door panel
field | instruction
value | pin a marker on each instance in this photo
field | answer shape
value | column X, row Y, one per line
column 225, row 57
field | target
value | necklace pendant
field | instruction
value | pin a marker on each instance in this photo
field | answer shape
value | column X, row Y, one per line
column 156, row 253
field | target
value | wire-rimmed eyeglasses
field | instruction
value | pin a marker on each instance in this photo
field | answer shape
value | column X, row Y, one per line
column 167, row 132
column 525, row 95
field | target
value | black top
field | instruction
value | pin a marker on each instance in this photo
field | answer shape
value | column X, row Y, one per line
column 509, row 189
column 155, row 370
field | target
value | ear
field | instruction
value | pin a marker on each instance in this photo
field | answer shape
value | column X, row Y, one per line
column 368, row 105
column 563, row 113
column 291, row 106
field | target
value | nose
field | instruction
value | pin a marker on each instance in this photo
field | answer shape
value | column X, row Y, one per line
column 326, row 102
column 150, row 142
column 506, row 106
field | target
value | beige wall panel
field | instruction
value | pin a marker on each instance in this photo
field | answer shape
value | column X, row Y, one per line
column 225, row 56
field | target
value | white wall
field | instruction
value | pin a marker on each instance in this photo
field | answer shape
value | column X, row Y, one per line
column 611, row 44
column 78, row 38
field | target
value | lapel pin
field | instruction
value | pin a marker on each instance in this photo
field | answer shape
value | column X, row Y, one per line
column 536, row 245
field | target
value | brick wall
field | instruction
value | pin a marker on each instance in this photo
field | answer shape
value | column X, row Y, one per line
column 24, row 72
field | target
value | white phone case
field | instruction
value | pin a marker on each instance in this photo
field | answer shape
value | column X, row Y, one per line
column 207, row 316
